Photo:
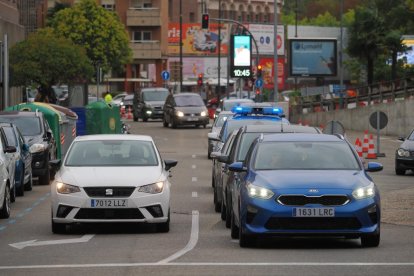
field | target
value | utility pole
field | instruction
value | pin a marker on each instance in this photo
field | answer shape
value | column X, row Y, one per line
column 275, row 59
column 219, row 53
column 341, row 75
column 181, row 46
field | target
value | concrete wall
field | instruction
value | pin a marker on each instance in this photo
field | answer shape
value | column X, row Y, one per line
column 400, row 117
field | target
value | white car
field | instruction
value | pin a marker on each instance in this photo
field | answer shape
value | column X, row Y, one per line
column 111, row 178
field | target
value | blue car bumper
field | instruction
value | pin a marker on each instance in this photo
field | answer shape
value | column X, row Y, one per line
column 357, row 217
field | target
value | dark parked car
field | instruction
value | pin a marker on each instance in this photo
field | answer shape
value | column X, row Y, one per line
column 404, row 156
column 150, row 103
column 38, row 134
column 23, row 170
column 185, row 109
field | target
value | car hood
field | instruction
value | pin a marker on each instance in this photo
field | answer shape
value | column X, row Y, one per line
column 408, row 145
column 312, row 179
column 110, row 176
column 191, row 109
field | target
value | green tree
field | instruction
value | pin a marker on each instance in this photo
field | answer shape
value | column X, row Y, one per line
column 366, row 39
column 45, row 59
column 98, row 30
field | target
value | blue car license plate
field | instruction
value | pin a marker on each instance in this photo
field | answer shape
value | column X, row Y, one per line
column 313, row 212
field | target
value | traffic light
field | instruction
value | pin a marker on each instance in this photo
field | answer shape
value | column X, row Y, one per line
column 200, row 80
column 259, row 72
column 204, row 21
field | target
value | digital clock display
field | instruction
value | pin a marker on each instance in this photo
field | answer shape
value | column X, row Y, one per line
column 242, row 72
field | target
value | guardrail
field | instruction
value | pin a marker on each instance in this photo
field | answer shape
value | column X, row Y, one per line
column 363, row 96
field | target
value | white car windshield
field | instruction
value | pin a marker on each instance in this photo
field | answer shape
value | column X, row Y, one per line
column 113, row 153
column 28, row 126
column 189, row 100
column 153, row 96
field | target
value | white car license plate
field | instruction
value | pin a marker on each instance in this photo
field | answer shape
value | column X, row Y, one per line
column 313, row 212
column 109, row 203
column 192, row 119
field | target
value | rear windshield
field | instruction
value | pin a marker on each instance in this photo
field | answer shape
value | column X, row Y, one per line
column 155, row 95
column 189, row 100
column 28, row 126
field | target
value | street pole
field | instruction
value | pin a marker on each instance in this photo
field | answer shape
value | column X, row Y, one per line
column 341, row 75
column 181, row 46
column 296, row 35
column 219, row 53
column 275, row 61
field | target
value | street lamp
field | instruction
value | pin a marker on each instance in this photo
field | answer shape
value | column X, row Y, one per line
column 181, row 46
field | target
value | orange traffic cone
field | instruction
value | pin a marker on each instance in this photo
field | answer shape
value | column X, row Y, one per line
column 122, row 111
column 366, row 142
column 129, row 115
column 371, row 150
column 358, row 147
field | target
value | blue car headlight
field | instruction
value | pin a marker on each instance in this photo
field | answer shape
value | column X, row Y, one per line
column 364, row 192
column 258, row 192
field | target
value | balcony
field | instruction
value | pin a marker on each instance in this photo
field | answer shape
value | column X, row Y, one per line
column 143, row 17
column 146, row 49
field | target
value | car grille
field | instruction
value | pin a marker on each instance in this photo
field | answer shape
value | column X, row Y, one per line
column 116, row 191
column 300, row 200
column 157, row 107
column 192, row 114
column 312, row 223
column 102, row 213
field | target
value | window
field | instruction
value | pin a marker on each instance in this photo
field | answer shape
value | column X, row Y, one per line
column 141, row 3
column 109, row 7
column 142, row 36
column 192, row 17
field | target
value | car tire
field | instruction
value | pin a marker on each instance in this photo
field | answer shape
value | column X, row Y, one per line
column 217, row 205
column 13, row 193
column 144, row 119
column 223, row 210
column 173, row 124
column 29, row 185
column 164, row 227
column 5, row 210
column 204, row 125
column 58, row 228
column 245, row 240
column 228, row 213
column 399, row 171
column 45, row 179
column 234, row 228
column 371, row 240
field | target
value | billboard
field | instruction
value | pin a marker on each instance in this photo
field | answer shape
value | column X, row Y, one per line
column 241, row 56
column 312, row 57
column 268, row 72
column 197, row 41
column 264, row 36
column 408, row 56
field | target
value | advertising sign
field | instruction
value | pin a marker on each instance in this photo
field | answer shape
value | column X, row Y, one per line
column 192, row 66
column 241, row 56
column 264, row 36
column 268, row 72
column 197, row 41
column 408, row 56
column 312, row 57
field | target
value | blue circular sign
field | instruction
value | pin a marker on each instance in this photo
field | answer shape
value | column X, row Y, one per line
column 258, row 83
column 165, row 75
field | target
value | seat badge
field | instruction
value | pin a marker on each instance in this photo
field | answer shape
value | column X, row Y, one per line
column 109, row 192
column 313, row 190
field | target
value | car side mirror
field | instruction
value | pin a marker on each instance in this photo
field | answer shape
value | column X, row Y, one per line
column 374, row 167
column 401, row 139
column 55, row 164
column 223, row 159
column 48, row 136
column 169, row 164
column 10, row 149
column 237, row 167
column 213, row 136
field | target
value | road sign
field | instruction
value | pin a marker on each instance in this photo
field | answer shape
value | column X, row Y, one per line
column 165, row 75
column 378, row 119
column 258, row 83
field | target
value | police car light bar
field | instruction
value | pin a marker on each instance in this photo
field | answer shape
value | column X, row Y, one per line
column 246, row 110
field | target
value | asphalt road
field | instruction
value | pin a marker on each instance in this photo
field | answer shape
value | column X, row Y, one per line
column 198, row 242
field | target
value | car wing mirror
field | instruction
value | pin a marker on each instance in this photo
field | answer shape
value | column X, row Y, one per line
column 169, row 164
column 401, row 139
column 55, row 164
column 237, row 167
column 223, row 159
column 374, row 167
column 10, row 149
column 213, row 136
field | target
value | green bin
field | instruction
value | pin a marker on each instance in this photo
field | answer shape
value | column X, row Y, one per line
column 102, row 118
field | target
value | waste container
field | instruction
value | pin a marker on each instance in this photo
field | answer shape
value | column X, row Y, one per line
column 102, row 118
column 53, row 117
column 81, row 122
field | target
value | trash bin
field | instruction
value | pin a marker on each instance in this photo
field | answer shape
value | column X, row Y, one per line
column 102, row 118
column 81, row 122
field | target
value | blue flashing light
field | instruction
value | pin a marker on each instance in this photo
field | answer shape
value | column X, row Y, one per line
column 237, row 109
column 265, row 110
column 272, row 110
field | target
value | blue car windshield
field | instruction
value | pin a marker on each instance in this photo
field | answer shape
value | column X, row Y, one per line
column 305, row 156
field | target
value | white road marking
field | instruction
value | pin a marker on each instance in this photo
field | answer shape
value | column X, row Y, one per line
column 198, row 264
column 191, row 243
column 194, row 194
column 21, row 245
column 193, row 166
column 194, row 179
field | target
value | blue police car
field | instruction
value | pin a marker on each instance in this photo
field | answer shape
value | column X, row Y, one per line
column 305, row 184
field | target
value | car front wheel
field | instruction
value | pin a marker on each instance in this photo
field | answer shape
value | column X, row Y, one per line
column 371, row 240
column 399, row 171
column 5, row 209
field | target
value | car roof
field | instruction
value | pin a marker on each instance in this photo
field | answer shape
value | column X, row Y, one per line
column 129, row 96
column 154, row 89
column 119, row 137
column 185, row 94
column 238, row 100
column 16, row 113
column 280, row 128
column 301, row 137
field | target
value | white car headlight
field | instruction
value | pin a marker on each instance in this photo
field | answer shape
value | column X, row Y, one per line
column 203, row 113
column 258, row 192
column 364, row 192
column 403, row 153
column 154, row 188
column 63, row 188
column 149, row 112
column 179, row 113
column 37, row 148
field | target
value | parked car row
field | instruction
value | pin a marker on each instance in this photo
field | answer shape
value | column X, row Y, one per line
column 27, row 145
column 271, row 178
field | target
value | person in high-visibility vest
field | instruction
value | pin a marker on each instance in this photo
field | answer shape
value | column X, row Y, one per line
column 108, row 97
